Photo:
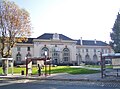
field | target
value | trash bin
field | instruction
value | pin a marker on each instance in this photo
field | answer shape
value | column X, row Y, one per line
column 22, row 72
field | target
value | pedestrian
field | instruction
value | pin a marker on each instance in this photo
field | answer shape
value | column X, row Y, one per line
column 39, row 70
column 4, row 66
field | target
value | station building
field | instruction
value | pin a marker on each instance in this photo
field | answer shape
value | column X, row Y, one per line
column 62, row 49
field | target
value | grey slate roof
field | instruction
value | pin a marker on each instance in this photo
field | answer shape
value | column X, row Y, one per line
column 48, row 36
column 30, row 40
column 91, row 43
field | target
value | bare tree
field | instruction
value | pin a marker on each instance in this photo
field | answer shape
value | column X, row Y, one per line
column 15, row 26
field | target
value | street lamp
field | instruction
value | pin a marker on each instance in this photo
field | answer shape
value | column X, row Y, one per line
column 101, row 63
column 45, row 63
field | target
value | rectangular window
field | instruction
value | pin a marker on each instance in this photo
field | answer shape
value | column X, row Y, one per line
column 83, row 50
column 28, row 48
column 65, row 58
column 18, row 48
column 102, row 50
column 79, row 50
column 105, row 50
column 95, row 50
column 86, row 50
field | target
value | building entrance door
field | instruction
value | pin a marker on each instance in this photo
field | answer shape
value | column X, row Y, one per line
column 55, row 61
column 55, row 57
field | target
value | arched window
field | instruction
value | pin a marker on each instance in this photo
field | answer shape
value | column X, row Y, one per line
column 79, row 59
column 66, row 55
column 28, row 55
column 44, row 49
column 87, row 58
column 95, row 58
column 18, row 57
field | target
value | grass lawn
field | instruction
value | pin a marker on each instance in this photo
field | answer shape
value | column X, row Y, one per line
column 57, row 69
column 93, row 66
column 15, row 70
column 98, row 66
column 68, row 69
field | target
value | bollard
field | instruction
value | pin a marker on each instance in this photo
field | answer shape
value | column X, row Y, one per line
column 22, row 72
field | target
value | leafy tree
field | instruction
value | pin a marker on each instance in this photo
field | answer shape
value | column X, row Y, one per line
column 15, row 26
column 115, row 35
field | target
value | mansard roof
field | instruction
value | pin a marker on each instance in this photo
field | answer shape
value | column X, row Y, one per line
column 91, row 43
column 48, row 36
column 30, row 40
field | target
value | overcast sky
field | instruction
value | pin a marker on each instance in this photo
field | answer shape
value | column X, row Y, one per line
column 89, row 19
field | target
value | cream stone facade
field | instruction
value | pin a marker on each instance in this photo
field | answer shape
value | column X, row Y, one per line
column 62, row 50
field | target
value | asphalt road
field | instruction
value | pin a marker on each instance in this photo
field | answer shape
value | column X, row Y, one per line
column 44, row 84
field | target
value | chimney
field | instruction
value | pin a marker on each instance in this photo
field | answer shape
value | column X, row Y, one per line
column 81, row 41
column 95, row 41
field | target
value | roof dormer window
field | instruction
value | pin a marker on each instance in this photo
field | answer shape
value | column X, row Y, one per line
column 56, row 36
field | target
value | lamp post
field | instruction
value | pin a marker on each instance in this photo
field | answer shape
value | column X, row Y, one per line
column 45, row 63
column 101, row 63
column 49, row 66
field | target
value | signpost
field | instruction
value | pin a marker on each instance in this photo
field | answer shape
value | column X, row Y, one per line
column 116, row 63
column 7, row 64
column 115, row 57
column 29, row 65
